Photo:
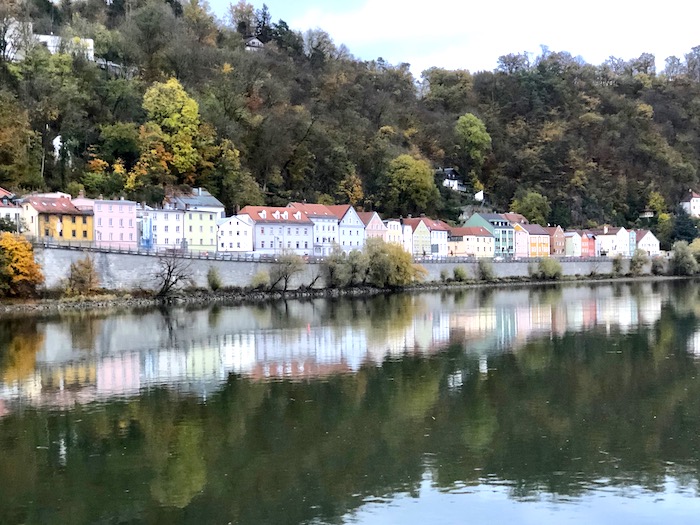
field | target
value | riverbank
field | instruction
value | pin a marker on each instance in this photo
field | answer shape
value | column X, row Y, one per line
column 198, row 297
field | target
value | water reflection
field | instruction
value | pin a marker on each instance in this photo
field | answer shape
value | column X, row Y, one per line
column 84, row 357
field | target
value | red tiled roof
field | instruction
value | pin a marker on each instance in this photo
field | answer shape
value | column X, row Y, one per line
column 470, row 231
column 366, row 216
column 640, row 234
column 551, row 230
column 312, row 210
column 254, row 212
column 4, row 193
column 690, row 195
column 51, row 205
column 339, row 210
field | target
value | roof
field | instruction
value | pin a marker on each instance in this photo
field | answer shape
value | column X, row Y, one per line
column 339, row 210
column 436, row 224
column 612, row 230
column 275, row 214
column 199, row 198
column 366, row 216
column 413, row 222
column 5, row 193
column 495, row 217
column 551, row 230
column 470, row 231
column 59, row 205
column 319, row 211
column 689, row 196
column 641, row 234
column 516, row 217
column 534, row 229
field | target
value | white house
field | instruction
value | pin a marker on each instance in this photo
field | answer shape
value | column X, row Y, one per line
column 572, row 244
column 439, row 233
column 611, row 241
column 202, row 211
column 452, row 180
column 407, row 236
column 161, row 228
column 234, row 234
column 276, row 229
column 351, row 229
column 648, row 242
column 691, row 203
column 325, row 226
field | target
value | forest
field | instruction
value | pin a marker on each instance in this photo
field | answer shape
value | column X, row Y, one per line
column 186, row 104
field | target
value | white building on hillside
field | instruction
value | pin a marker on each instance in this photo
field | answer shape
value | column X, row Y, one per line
column 234, row 234
column 691, row 203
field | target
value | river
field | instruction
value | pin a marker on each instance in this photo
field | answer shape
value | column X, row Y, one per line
column 534, row 405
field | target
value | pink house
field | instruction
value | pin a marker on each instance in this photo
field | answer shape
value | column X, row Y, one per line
column 114, row 222
column 374, row 227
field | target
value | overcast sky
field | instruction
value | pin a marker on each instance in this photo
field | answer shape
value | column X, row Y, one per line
column 458, row 34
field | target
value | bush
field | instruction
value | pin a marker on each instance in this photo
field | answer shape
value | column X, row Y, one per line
column 214, row 279
column 485, row 270
column 638, row 261
column 390, row 266
column 444, row 275
column 617, row 265
column 460, row 274
column 658, row 266
column 82, row 278
column 336, row 269
column 260, row 281
column 549, row 269
column 19, row 272
column 682, row 260
column 287, row 265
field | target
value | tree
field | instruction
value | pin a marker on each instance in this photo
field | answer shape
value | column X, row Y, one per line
column 390, row 266
column 682, row 260
column 336, row 269
column 19, row 272
column 350, row 189
column 15, row 141
column 638, row 261
column 172, row 273
column 287, row 266
column 533, row 206
column 549, row 269
column 242, row 17
column 82, row 278
column 473, row 141
column 407, row 187
column 684, row 228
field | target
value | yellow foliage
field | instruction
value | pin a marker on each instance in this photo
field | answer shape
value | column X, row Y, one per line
column 19, row 272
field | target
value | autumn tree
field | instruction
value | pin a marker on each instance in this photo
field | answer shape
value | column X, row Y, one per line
column 407, row 187
column 19, row 272
column 15, row 141
column 473, row 142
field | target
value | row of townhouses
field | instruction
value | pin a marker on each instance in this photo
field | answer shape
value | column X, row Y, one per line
column 198, row 223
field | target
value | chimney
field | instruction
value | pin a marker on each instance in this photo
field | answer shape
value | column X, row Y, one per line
column 199, row 192
column 605, row 230
column 121, row 198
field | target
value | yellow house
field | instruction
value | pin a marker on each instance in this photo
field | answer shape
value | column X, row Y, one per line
column 57, row 218
column 537, row 239
column 421, row 236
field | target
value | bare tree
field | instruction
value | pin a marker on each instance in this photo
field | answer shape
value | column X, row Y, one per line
column 173, row 272
column 288, row 265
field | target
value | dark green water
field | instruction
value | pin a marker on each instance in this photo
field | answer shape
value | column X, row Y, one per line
column 532, row 405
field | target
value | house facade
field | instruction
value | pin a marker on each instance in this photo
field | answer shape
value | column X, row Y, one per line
column 11, row 213
column 691, row 203
column 326, row 228
column 394, row 231
column 439, row 233
column 202, row 211
column 557, row 241
column 470, row 241
column 351, row 229
column 115, row 222
column 277, row 229
column 234, row 234
column 538, row 240
column 612, row 241
column 503, row 233
column 648, row 242
column 421, row 245
column 56, row 218
column 162, row 228
column 374, row 226
column 572, row 247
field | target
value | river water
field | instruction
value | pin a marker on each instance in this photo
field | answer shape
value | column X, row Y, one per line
column 541, row 405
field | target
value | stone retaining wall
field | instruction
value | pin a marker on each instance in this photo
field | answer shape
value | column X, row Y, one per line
column 123, row 271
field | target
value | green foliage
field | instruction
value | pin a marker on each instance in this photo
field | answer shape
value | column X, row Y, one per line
column 460, row 274
column 7, row 225
column 617, row 265
column 214, row 279
column 444, row 275
column 485, row 271
column 260, row 280
column 82, row 278
column 533, row 206
column 658, row 265
column 682, row 260
column 390, row 266
column 549, row 269
column 408, row 187
column 684, row 229
column 638, row 261
column 336, row 269
column 472, row 138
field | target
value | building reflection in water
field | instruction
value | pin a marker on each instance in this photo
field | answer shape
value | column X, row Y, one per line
column 196, row 351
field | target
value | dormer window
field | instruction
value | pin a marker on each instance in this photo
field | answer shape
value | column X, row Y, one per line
column 276, row 215
column 297, row 215
column 263, row 214
column 285, row 215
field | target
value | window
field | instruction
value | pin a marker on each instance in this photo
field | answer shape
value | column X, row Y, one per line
column 154, row 228
column 289, row 244
column 262, row 244
column 306, row 244
column 121, row 208
column 166, row 240
column 131, row 223
column 190, row 229
column 121, row 236
column 131, row 236
column 238, row 245
column 166, row 228
column 289, row 231
column 72, row 219
column 84, row 220
column 262, row 230
column 110, row 236
column 201, row 229
column 121, row 223
column 177, row 229
column 46, row 232
column 110, row 222
column 297, row 231
column 99, row 221
column 190, row 216
column 211, row 216
column 297, row 245
column 73, row 234
column 110, row 207
column 201, row 216
column 238, row 232
column 166, row 216
column 84, row 234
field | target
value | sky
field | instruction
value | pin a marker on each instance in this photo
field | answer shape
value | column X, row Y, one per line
column 455, row 34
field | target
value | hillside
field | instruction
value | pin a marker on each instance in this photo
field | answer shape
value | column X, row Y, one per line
column 172, row 97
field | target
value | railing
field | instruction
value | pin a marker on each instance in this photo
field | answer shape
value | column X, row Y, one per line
column 88, row 246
